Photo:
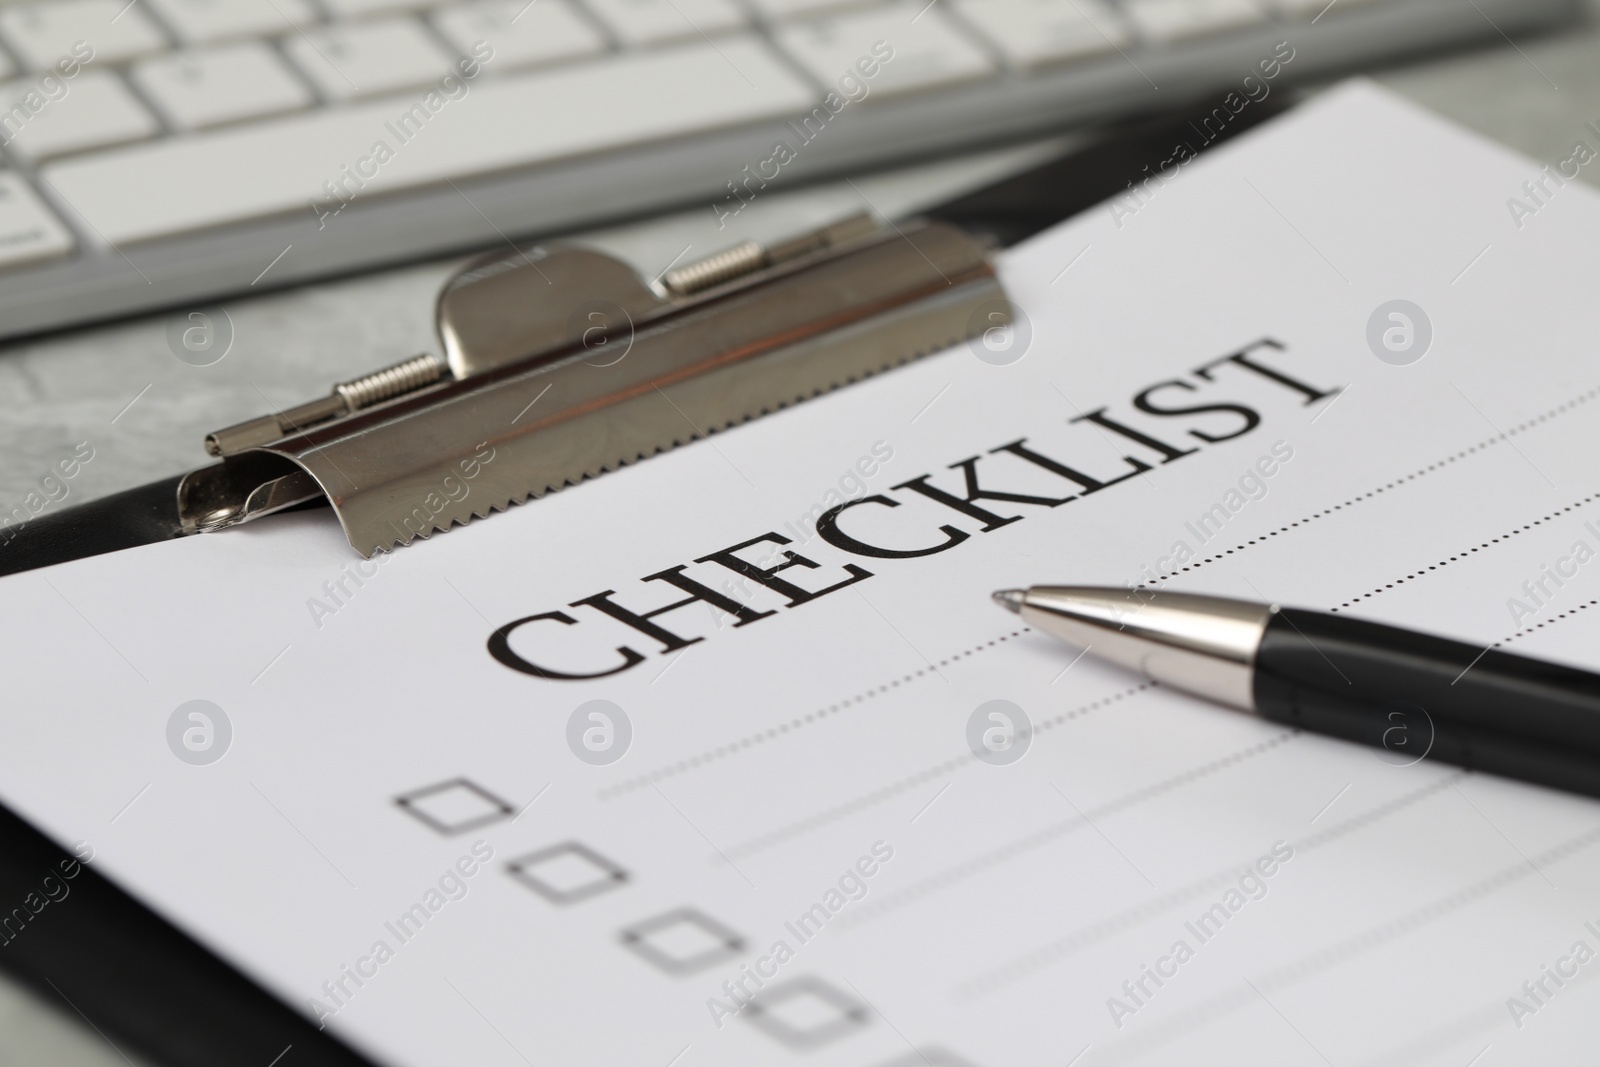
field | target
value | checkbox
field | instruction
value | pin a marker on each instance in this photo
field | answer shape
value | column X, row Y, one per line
column 453, row 807
column 567, row 873
column 806, row 1012
column 928, row 1056
column 683, row 941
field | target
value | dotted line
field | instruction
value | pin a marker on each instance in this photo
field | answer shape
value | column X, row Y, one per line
column 1554, row 412
column 752, row 740
column 894, row 789
column 1548, row 622
column 1051, row 724
column 800, row 722
column 979, row 864
column 1508, row 535
column 1063, row 947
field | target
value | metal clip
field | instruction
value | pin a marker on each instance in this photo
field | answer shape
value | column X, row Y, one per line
column 561, row 364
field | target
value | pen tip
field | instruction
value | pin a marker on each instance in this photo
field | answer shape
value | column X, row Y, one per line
column 1010, row 599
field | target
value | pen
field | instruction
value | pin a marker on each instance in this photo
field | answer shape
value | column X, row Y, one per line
column 1412, row 694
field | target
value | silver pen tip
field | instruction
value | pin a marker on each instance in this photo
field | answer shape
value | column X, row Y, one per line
column 1010, row 599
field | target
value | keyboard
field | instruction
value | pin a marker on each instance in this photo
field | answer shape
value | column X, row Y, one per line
column 165, row 153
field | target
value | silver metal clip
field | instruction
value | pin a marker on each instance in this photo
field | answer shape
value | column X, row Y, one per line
column 561, row 364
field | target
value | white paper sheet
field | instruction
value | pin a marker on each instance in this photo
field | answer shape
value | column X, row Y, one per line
column 1012, row 910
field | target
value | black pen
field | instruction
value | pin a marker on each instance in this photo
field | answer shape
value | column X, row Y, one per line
column 1412, row 694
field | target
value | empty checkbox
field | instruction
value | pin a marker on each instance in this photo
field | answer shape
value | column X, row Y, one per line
column 683, row 941
column 567, row 873
column 806, row 1012
column 454, row 807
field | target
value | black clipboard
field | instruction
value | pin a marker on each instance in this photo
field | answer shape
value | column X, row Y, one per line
column 145, row 983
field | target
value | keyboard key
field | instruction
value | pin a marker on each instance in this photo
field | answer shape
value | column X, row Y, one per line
column 28, row 232
column 1173, row 20
column 43, row 33
column 521, row 33
column 206, row 21
column 368, row 58
column 211, row 86
column 99, row 111
column 1035, row 33
column 207, row 179
column 926, row 50
column 644, row 22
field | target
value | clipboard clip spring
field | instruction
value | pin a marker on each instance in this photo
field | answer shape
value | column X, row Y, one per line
column 363, row 392
column 531, row 371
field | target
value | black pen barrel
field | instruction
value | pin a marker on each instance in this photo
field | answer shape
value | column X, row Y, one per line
column 1416, row 696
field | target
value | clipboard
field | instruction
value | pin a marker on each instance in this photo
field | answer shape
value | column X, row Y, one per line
column 146, row 984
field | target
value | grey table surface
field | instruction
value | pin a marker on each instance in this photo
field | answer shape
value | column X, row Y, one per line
column 120, row 388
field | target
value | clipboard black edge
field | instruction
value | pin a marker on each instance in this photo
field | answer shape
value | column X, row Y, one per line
column 96, row 952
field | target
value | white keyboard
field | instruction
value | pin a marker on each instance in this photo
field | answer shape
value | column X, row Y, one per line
column 156, row 153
